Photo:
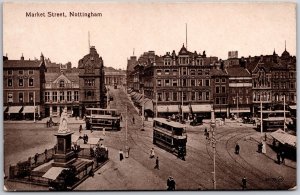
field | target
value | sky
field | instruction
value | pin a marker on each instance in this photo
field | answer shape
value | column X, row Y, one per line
column 251, row 29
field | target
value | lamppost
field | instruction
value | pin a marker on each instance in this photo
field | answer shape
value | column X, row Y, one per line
column 212, row 140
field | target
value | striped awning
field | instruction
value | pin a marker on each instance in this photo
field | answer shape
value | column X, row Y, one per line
column 185, row 109
column 201, row 108
column 148, row 104
column 28, row 109
column 168, row 109
column 14, row 109
column 284, row 138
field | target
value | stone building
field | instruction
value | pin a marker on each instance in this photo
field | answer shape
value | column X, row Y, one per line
column 114, row 77
column 91, row 81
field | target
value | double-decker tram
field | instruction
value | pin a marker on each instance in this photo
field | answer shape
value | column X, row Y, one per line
column 98, row 118
column 273, row 119
column 170, row 135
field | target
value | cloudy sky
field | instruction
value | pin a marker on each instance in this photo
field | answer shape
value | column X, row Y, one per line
column 251, row 29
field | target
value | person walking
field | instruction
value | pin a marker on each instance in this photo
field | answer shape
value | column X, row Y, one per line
column 80, row 128
column 206, row 133
column 244, row 183
column 121, row 154
column 103, row 131
column 282, row 154
column 173, row 184
column 152, row 154
column 132, row 120
column 169, row 183
column 237, row 148
column 156, row 163
column 278, row 158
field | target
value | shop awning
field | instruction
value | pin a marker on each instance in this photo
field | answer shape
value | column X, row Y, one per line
column 168, row 109
column 148, row 104
column 14, row 109
column 293, row 107
column 284, row 137
column 4, row 108
column 201, row 108
column 28, row 109
column 240, row 110
column 185, row 109
column 53, row 173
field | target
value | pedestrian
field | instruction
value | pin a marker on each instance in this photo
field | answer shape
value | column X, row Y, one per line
column 244, row 183
column 278, row 158
column 132, row 120
column 121, row 154
column 152, row 154
column 156, row 163
column 169, row 183
column 47, row 123
column 80, row 128
column 173, row 183
column 282, row 154
column 206, row 133
column 103, row 131
column 121, row 117
column 237, row 148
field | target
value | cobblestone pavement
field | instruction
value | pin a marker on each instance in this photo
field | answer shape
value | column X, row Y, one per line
column 137, row 172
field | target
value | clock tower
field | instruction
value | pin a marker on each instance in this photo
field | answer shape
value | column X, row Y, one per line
column 91, row 81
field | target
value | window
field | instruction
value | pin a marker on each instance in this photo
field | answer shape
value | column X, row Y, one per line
column 200, row 96
column 199, row 72
column 217, row 80
column 207, row 82
column 184, row 96
column 184, row 82
column 47, row 96
column 89, row 82
column 217, row 100
column 9, row 97
column 184, row 71
column 206, row 72
column 174, row 96
column 30, row 97
column 167, row 72
column 158, row 72
column 223, row 89
column 175, row 71
column 30, row 71
column 61, row 83
column 193, row 82
column 193, row 95
column 174, row 82
column 76, row 97
column 223, row 80
column 61, row 96
column 207, row 95
column 21, row 97
column 54, row 96
column 167, row 61
column 30, row 82
column 292, row 85
column 200, row 82
column 167, row 82
column 69, row 96
column 167, row 96
column 9, row 82
column 217, row 89
column 159, row 83
column 21, row 83
column 159, row 97
column 192, row 72
column 21, row 72
column 9, row 72
column 223, row 100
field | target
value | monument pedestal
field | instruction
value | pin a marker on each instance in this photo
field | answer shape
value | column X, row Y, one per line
column 63, row 156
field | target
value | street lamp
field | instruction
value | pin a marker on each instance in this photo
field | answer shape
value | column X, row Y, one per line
column 212, row 140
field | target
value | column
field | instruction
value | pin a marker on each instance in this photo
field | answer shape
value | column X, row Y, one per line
column 51, row 110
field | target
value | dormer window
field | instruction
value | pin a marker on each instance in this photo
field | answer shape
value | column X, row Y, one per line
column 61, row 83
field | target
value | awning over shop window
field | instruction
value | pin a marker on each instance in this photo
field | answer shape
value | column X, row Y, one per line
column 4, row 108
column 185, row 109
column 148, row 104
column 221, row 110
column 28, row 109
column 14, row 109
column 168, row 109
column 293, row 107
column 240, row 110
column 53, row 172
column 201, row 108
column 284, row 138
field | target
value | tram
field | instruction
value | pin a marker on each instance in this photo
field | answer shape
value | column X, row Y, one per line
column 98, row 118
column 272, row 123
column 170, row 135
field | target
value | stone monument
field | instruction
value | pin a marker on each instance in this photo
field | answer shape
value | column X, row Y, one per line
column 63, row 156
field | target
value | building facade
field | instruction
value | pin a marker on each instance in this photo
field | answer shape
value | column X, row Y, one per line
column 91, row 81
column 115, row 77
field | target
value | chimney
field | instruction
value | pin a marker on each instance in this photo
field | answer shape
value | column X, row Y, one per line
column 42, row 57
column 22, row 57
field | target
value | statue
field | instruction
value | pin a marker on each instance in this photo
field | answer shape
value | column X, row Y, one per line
column 63, row 123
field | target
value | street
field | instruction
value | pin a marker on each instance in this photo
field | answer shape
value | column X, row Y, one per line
column 137, row 172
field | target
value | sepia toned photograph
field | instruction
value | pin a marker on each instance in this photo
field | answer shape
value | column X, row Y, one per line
column 152, row 96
